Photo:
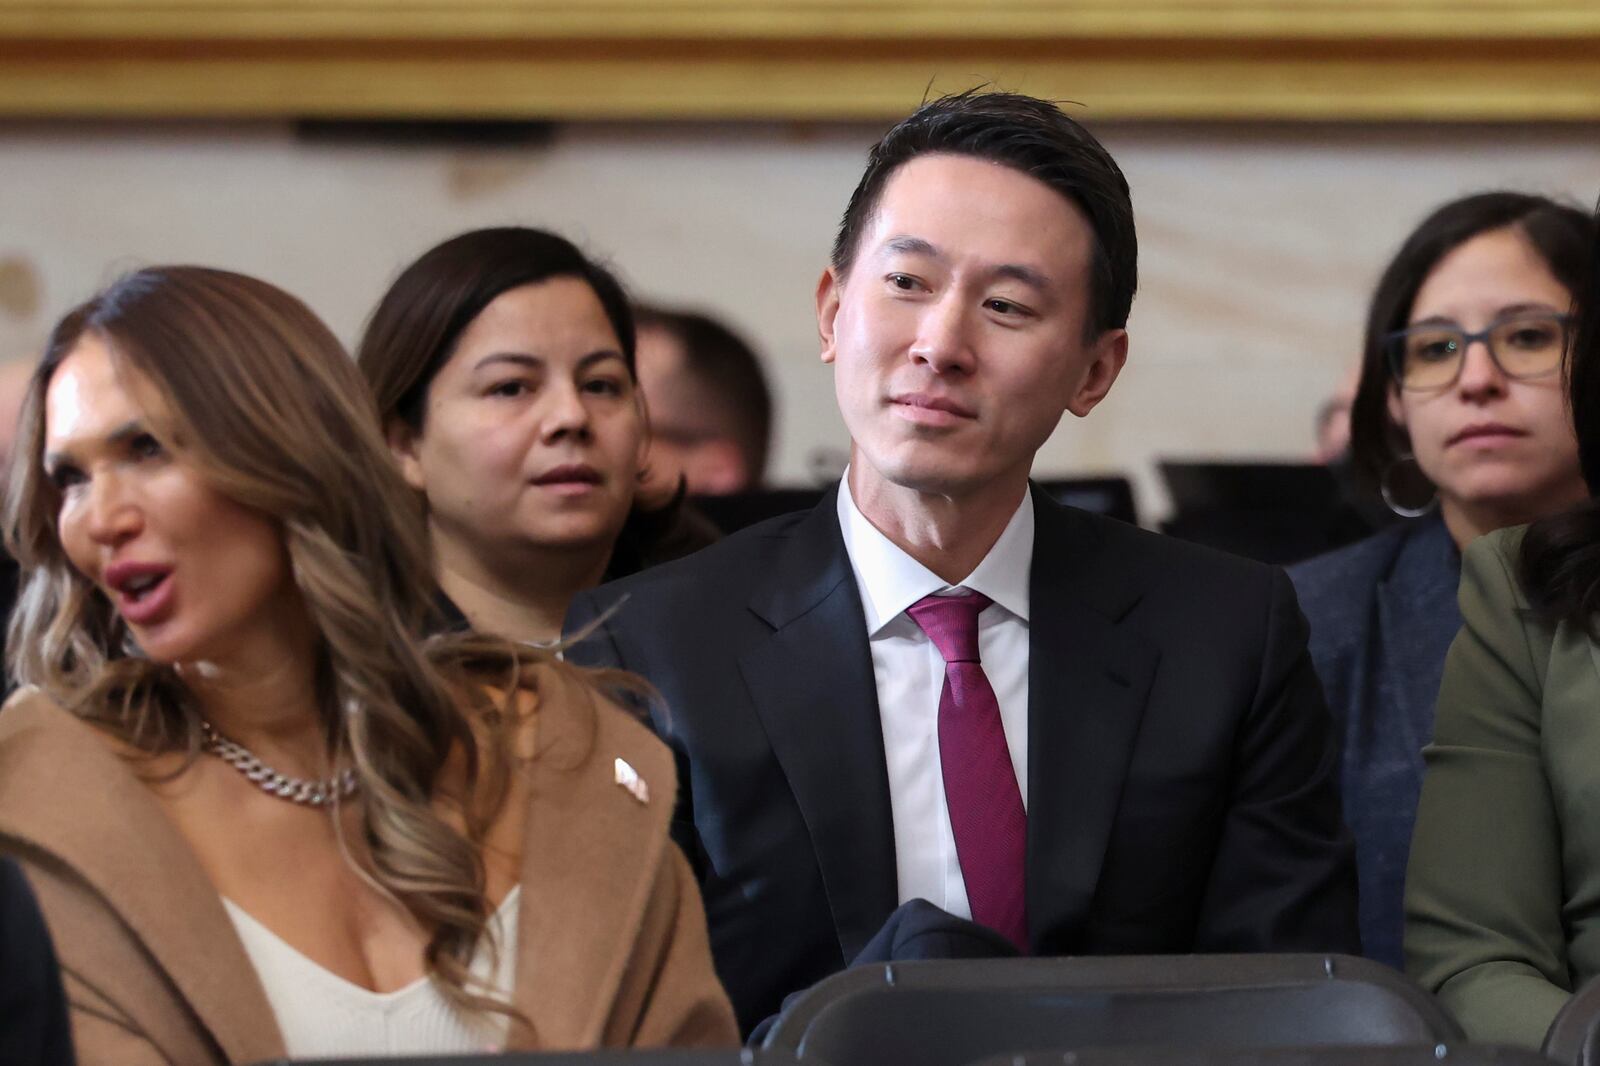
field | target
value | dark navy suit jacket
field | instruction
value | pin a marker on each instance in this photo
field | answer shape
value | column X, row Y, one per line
column 1383, row 613
column 1182, row 791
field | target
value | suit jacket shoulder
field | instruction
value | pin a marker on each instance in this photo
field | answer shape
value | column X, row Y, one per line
column 645, row 622
column 1174, row 591
column 708, row 573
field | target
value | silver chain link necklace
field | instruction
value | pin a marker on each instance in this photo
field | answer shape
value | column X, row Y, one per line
column 341, row 785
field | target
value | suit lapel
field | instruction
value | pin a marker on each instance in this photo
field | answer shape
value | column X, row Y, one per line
column 1417, row 620
column 114, row 835
column 1088, row 679
column 590, row 853
column 812, row 685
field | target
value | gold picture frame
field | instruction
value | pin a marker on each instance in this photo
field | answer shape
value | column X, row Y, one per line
column 1374, row 60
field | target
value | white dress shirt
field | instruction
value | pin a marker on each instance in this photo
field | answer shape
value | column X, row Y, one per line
column 909, row 674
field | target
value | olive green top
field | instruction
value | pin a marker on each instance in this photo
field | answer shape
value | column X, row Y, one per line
column 1503, row 887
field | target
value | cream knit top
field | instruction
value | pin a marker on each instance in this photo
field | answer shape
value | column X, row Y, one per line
column 322, row 1015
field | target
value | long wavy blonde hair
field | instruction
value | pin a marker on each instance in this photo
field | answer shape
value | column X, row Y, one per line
column 269, row 408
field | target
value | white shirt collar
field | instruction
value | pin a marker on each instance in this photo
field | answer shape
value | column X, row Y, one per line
column 889, row 580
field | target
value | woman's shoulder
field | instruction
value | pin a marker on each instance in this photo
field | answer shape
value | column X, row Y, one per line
column 1354, row 568
column 42, row 742
column 1546, row 654
column 1491, row 586
column 32, row 719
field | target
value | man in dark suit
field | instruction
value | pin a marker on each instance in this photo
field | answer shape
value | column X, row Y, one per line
column 939, row 683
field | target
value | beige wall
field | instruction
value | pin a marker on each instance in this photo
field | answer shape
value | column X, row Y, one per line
column 1258, row 242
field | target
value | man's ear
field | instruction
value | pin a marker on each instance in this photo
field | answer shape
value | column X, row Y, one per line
column 827, row 312
column 1109, row 353
column 402, row 441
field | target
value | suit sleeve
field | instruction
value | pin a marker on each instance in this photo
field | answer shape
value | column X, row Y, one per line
column 672, row 993
column 1283, row 877
column 1483, row 889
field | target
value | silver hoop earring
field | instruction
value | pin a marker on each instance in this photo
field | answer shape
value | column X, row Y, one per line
column 1391, row 497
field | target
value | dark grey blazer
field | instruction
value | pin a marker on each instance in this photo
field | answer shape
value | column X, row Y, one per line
column 1382, row 613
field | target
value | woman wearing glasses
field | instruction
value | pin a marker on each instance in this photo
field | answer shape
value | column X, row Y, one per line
column 1503, row 892
column 1459, row 421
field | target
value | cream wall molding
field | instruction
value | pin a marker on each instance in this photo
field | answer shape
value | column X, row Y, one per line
column 798, row 59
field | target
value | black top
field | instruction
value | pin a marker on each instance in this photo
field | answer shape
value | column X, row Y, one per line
column 33, row 1009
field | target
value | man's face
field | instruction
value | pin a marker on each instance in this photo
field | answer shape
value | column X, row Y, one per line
column 958, row 335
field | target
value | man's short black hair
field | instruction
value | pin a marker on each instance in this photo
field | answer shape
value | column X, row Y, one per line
column 1031, row 136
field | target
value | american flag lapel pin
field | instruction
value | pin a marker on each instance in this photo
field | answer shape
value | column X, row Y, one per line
column 629, row 779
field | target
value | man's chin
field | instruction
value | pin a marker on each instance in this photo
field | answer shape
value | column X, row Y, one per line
column 928, row 475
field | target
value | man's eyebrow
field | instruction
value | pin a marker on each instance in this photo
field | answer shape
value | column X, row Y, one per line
column 907, row 245
column 1026, row 275
column 913, row 246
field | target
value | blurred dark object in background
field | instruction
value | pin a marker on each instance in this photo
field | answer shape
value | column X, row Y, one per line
column 1269, row 511
column 1110, row 496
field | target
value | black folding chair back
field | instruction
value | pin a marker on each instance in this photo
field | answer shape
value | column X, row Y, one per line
column 1574, row 1036
column 732, row 1057
column 1420, row 1055
column 955, row 1013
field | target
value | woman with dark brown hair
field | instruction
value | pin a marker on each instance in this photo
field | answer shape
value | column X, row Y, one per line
column 502, row 361
column 1458, row 422
column 260, row 817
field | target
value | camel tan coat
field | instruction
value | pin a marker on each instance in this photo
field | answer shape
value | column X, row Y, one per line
column 611, row 941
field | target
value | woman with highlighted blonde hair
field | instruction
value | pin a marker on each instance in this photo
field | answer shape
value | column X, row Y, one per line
column 260, row 816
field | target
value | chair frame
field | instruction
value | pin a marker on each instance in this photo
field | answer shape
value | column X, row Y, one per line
column 1110, row 973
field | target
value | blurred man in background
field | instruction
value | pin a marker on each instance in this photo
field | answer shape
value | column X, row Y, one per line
column 710, row 407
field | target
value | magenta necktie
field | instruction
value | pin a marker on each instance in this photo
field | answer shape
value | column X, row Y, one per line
column 980, row 787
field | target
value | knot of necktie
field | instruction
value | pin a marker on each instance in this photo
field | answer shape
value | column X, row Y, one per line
column 951, row 622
